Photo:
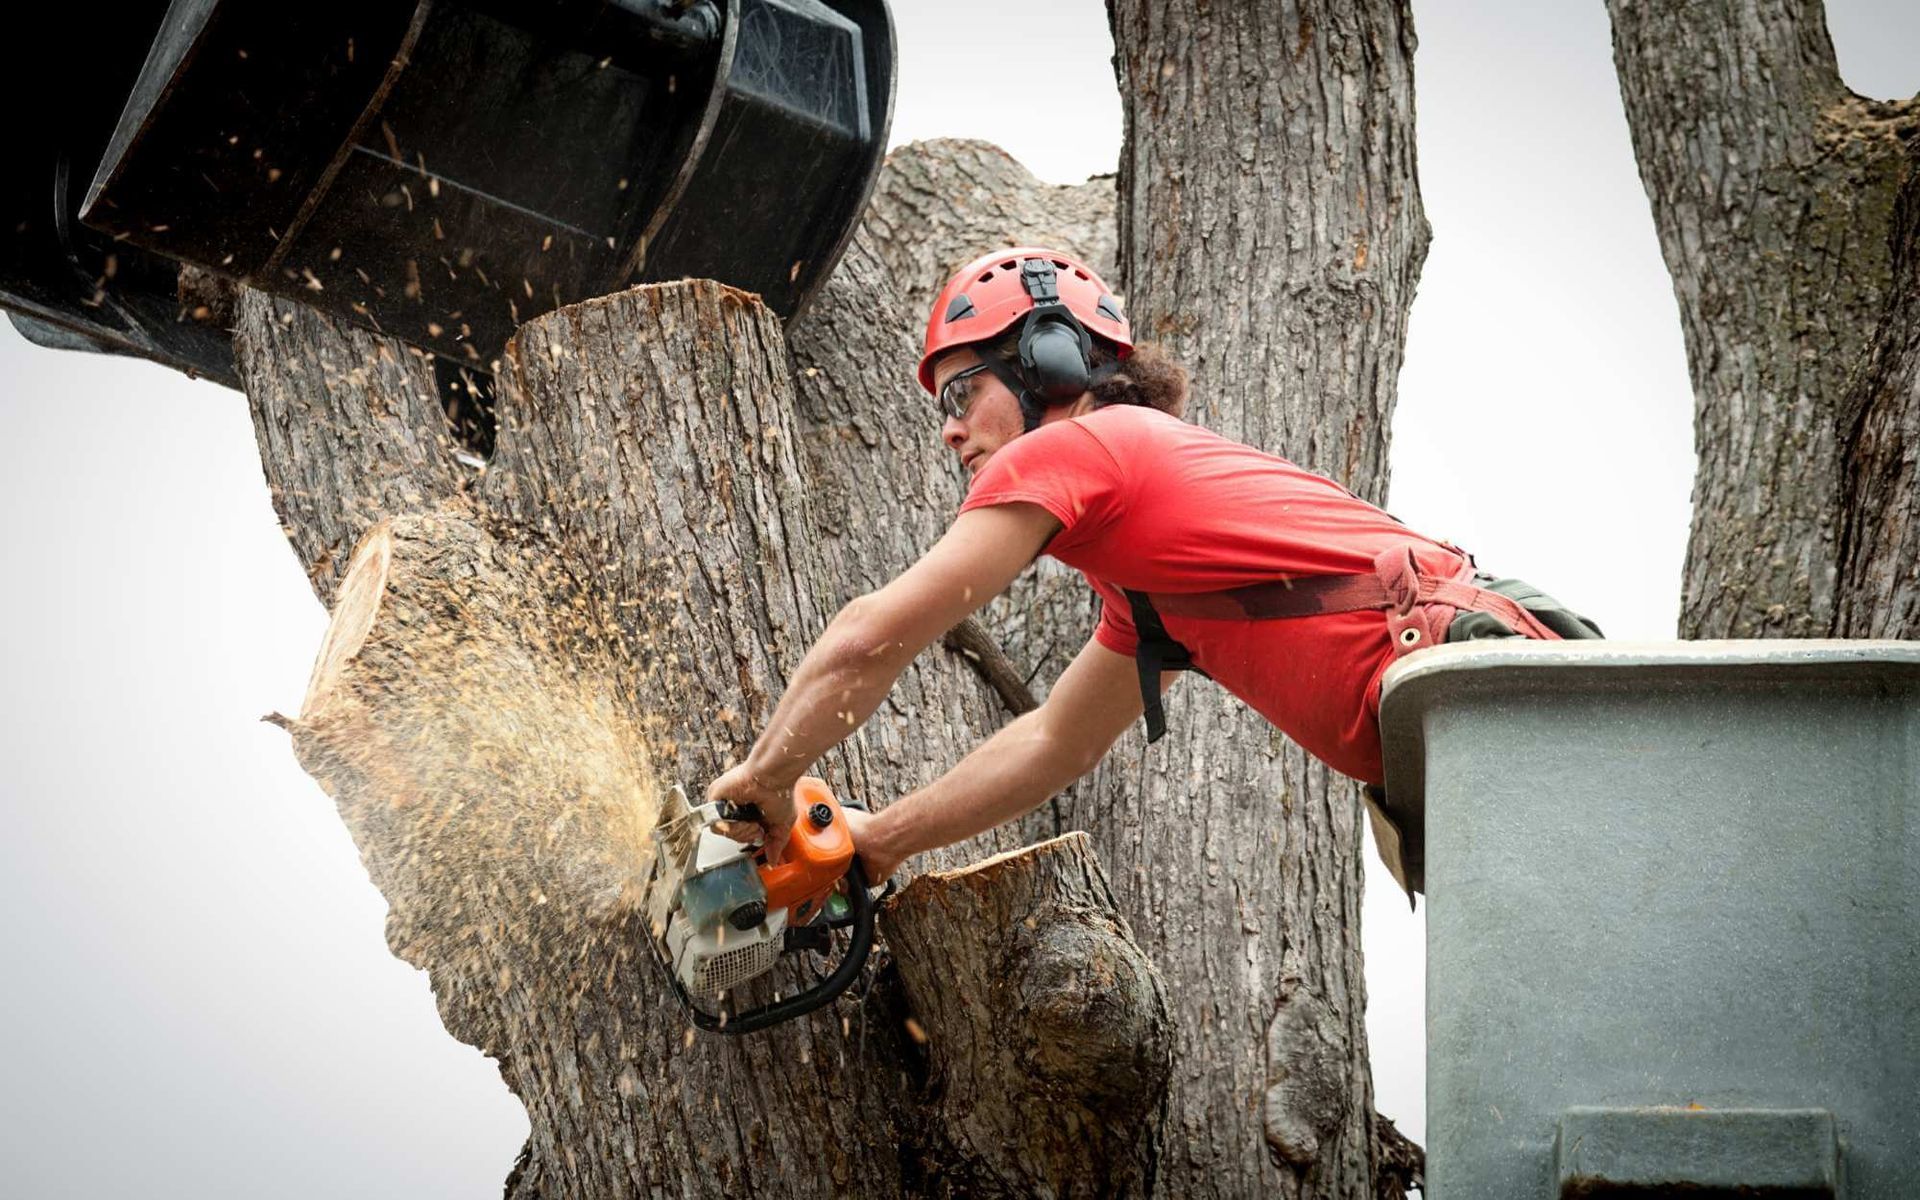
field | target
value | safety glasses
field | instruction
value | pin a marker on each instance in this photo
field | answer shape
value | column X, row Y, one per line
column 956, row 392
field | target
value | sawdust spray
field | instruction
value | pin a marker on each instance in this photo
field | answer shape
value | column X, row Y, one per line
column 475, row 717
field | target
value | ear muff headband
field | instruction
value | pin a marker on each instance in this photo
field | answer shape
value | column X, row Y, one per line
column 1055, row 348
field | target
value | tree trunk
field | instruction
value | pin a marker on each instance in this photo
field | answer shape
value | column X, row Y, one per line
column 511, row 677
column 1772, row 188
column 1270, row 237
column 1880, row 528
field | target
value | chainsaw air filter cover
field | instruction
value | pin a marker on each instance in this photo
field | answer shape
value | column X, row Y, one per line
column 440, row 171
column 722, row 936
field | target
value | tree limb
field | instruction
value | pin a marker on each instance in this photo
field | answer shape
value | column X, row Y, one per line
column 976, row 645
column 349, row 425
column 1772, row 188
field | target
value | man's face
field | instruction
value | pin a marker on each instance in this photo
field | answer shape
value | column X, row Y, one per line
column 991, row 413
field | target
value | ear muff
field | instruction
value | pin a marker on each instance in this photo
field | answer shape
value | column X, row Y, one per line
column 1055, row 349
column 1054, row 353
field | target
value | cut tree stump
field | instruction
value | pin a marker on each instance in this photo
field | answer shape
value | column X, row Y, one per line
column 1050, row 1045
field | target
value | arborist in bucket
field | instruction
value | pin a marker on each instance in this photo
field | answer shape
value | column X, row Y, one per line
column 1210, row 556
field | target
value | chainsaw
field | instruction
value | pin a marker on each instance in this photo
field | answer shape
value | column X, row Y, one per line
column 721, row 915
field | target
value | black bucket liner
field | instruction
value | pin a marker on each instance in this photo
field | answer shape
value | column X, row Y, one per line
column 439, row 171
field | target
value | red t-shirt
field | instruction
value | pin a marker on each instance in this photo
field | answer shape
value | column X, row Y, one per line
column 1149, row 502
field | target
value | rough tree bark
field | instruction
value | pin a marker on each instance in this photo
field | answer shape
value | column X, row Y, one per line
column 1773, row 190
column 349, row 428
column 1270, row 237
column 1880, row 430
column 508, row 679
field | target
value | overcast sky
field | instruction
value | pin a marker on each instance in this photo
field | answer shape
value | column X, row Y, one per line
column 200, row 1001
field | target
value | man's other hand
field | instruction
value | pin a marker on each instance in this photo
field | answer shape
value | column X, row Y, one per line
column 870, row 844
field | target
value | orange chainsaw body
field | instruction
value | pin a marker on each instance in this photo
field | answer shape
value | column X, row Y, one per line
column 816, row 857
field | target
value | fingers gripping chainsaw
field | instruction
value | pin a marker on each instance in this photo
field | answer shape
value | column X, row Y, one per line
column 721, row 915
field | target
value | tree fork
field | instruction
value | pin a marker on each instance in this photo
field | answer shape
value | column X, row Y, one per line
column 1772, row 188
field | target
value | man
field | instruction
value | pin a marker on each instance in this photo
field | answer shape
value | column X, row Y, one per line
column 1286, row 589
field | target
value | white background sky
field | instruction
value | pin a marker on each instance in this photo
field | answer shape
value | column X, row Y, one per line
column 199, row 999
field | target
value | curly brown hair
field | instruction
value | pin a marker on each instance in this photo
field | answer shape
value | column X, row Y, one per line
column 1146, row 377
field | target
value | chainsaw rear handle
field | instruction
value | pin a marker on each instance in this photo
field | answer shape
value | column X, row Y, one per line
column 753, row 1020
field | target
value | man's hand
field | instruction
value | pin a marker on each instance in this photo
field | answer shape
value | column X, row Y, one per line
column 740, row 787
column 870, row 845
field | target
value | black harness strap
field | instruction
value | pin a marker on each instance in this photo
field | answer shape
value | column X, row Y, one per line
column 1156, row 652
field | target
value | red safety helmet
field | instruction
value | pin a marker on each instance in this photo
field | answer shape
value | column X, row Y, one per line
column 996, row 291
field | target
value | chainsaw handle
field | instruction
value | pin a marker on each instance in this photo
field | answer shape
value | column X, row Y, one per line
column 865, row 907
column 729, row 811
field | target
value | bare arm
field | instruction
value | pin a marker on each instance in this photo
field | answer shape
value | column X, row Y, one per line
column 1018, row 768
column 849, row 671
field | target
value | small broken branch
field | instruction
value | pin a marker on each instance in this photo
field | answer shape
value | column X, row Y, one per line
column 972, row 641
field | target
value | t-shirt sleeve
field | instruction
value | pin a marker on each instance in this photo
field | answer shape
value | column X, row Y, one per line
column 1064, row 469
column 1115, row 630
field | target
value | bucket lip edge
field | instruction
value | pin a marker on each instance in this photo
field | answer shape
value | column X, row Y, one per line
column 1412, row 687
column 1487, row 659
